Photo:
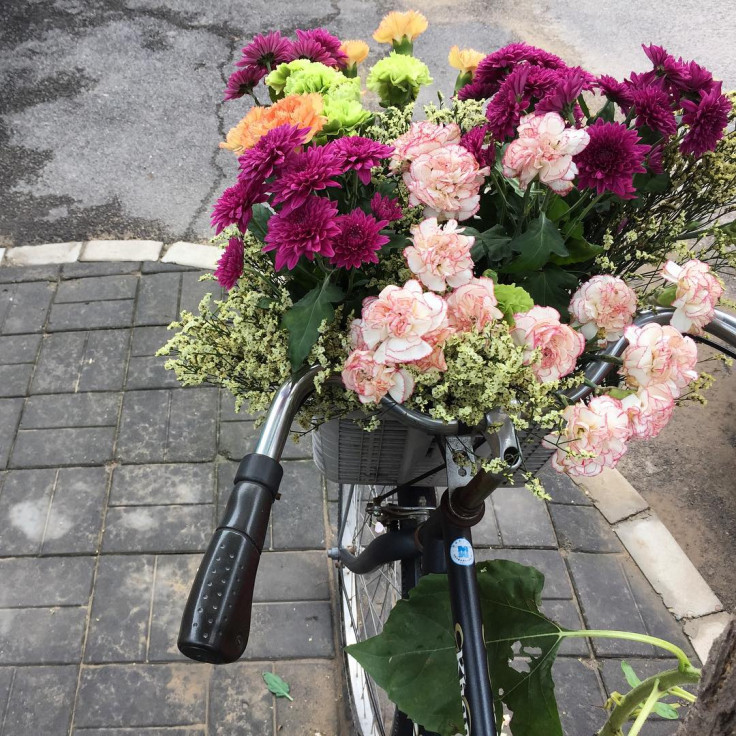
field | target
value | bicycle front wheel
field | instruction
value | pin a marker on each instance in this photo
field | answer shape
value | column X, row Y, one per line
column 366, row 600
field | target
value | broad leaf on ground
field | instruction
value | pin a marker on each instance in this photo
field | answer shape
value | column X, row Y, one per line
column 551, row 287
column 278, row 686
column 535, row 246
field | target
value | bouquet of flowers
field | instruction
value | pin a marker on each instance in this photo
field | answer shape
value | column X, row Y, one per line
column 478, row 257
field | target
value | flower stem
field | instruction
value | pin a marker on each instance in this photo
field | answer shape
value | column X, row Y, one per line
column 646, row 709
column 579, row 218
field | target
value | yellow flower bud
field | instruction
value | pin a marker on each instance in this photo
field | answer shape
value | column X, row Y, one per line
column 466, row 60
column 396, row 26
column 356, row 51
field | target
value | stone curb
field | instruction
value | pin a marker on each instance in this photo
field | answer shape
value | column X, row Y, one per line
column 660, row 558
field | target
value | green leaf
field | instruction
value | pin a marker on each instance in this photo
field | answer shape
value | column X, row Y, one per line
column 629, row 674
column 580, row 250
column 414, row 659
column 258, row 224
column 535, row 246
column 551, row 287
column 279, row 687
column 304, row 318
column 396, row 241
column 557, row 208
column 665, row 710
column 512, row 299
column 492, row 244
column 652, row 183
column 667, row 296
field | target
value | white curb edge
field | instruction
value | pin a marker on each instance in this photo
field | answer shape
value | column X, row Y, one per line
column 657, row 553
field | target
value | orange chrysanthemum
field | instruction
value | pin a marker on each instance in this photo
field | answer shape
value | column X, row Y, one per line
column 466, row 60
column 395, row 26
column 356, row 51
column 304, row 111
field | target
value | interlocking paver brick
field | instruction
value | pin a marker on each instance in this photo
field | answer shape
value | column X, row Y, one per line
column 121, row 606
column 22, row 274
column 147, row 340
column 16, row 349
column 158, row 299
column 59, row 362
column 170, row 483
column 522, row 519
column 225, row 476
column 292, row 576
column 45, row 581
column 149, row 372
column 193, row 425
column 227, row 409
column 26, row 307
column 14, row 379
column 599, row 582
column 25, row 715
column 579, row 696
column 239, row 704
column 10, row 410
column 98, row 288
column 583, row 529
column 313, row 686
column 117, row 695
column 52, row 448
column 46, row 411
column 239, row 438
column 138, row 731
column 290, row 630
column 565, row 613
column 103, row 362
column 24, row 510
column 91, row 315
column 143, row 431
column 298, row 518
column 193, row 291
column 41, row 635
column 561, row 488
column 158, row 528
column 549, row 562
column 83, row 270
column 486, row 533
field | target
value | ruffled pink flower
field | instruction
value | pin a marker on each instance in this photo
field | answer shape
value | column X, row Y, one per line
column 659, row 355
column 698, row 292
column 396, row 323
column 440, row 256
column 422, row 137
column 648, row 410
column 594, row 437
column 372, row 380
column 560, row 346
column 603, row 303
column 356, row 335
column 544, row 148
column 473, row 306
column 447, row 181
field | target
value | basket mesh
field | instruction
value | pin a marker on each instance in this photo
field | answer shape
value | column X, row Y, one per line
column 395, row 454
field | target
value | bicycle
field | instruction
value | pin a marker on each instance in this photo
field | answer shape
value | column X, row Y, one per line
column 421, row 536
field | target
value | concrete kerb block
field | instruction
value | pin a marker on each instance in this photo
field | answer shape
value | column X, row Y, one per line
column 614, row 496
column 42, row 255
column 2, row 255
column 121, row 250
column 192, row 254
column 667, row 567
column 703, row 631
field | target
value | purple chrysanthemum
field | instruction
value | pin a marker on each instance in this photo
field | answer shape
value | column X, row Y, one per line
column 610, row 160
column 266, row 51
column 242, row 82
column 494, row 67
column 508, row 104
column 697, row 79
column 234, row 207
column 359, row 240
column 707, row 120
column 309, row 171
column 666, row 67
column 570, row 85
column 475, row 142
column 360, row 154
column 230, row 266
column 652, row 106
column 617, row 92
column 319, row 45
column 476, row 91
column 272, row 152
column 654, row 160
column 385, row 208
column 304, row 231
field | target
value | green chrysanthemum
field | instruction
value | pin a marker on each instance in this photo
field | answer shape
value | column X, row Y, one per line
column 343, row 116
column 397, row 79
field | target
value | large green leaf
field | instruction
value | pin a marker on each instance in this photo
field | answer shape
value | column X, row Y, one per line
column 580, row 250
column 535, row 245
column 414, row 660
column 491, row 245
column 551, row 287
column 258, row 224
column 304, row 318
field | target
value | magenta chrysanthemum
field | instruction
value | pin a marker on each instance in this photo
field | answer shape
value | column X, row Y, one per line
column 475, row 142
column 234, row 207
column 696, row 79
column 385, row 208
column 610, row 160
column 672, row 71
column 508, row 104
column 309, row 171
column 652, row 106
column 266, row 51
column 230, row 266
column 272, row 152
column 707, row 120
column 305, row 231
column 359, row 240
column 494, row 67
column 618, row 92
column 476, row 91
column 319, row 45
column 242, row 82
column 361, row 154
column 571, row 83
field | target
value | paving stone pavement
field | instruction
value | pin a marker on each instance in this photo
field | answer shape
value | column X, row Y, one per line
column 111, row 481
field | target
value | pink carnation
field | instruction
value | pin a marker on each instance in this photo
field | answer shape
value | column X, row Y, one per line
column 698, row 292
column 440, row 256
column 372, row 380
column 473, row 305
column 396, row 324
column 594, row 437
column 560, row 346
column 649, row 410
column 659, row 356
column 447, row 181
column 544, row 148
column 422, row 137
column 603, row 303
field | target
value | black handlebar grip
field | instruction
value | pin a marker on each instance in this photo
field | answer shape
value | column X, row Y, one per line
column 216, row 620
